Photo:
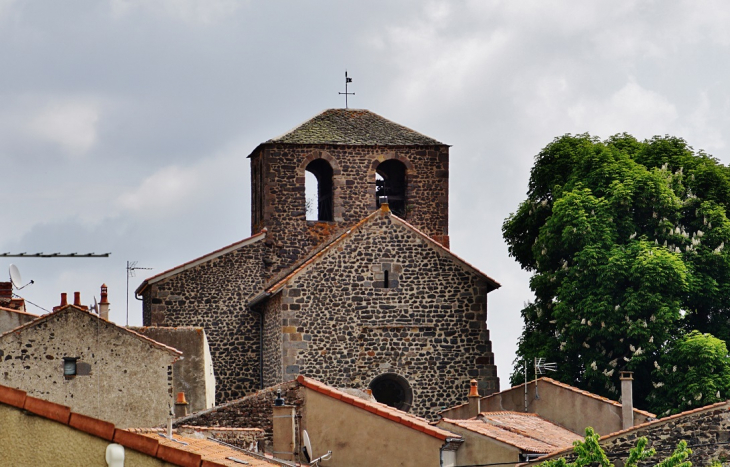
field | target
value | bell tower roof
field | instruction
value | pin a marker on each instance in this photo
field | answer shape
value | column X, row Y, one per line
column 353, row 127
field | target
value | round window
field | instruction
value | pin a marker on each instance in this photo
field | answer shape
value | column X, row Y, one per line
column 392, row 390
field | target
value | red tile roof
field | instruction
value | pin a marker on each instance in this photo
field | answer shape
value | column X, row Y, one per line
column 197, row 452
column 526, row 431
column 202, row 259
column 307, row 261
column 69, row 308
column 381, row 410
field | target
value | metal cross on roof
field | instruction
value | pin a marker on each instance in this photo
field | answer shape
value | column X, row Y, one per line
column 347, row 80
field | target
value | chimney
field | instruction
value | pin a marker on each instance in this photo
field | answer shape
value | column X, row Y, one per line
column 627, row 399
column 104, row 303
column 77, row 299
column 383, row 200
column 6, row 290
column 474, row 399
column 64, row 302
column 181, row 405
column 284, row 430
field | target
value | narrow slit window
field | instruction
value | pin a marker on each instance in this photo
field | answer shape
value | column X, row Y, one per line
column 318, row 191
column 386, row 282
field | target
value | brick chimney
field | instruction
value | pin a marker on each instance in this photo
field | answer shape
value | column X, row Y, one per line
column 627, row 399
column 6, row 291
column 64, row 302
column 104, row 303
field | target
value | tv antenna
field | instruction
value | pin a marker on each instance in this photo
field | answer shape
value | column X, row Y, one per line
column 131, row 267
column 347, row 81
column 16, row 279
column 308, row 452
column 540, row 368
column 54, row 255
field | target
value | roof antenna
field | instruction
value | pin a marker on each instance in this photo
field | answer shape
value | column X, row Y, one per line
column 540, row 367
column 131, row 267
column 347, row 80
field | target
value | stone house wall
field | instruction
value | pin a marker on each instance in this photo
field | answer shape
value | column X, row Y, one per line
column 340, row 325
column 706, row 431
column 278, row 196
column 11, row 319
column 273, row 337
column 254, row 411
column 213, row 295
column 122, row 378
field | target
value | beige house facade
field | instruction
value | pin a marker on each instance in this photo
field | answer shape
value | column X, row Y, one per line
column 74, row 358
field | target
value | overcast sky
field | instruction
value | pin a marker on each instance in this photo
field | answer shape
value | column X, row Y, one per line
column 125, row 124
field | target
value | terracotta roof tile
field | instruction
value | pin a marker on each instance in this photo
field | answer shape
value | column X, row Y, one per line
column 526, row 431
column 353, row 127
column 378, row 409
column 200, row 260
column 195, row 453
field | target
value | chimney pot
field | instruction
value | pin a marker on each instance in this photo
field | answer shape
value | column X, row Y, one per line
column 475, row 403
column 181, row 405
column 64, row 299
column 104, row 303
column 77, row 298
column 473, row 388
column 104, row 294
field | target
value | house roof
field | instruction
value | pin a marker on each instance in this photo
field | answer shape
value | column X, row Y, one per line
column 24, row 313
column 210, row 451
column 202, row 259
column 317, row 254
column 525, row 431
column 353, row 127
column 71, row 308
column 171, row 452
column 642, row 426
column 376, row 408
column 564, row 386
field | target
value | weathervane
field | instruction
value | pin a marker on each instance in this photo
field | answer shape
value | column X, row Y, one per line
column 347, row 80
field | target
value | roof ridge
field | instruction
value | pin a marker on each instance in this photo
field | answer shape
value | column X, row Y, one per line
column 3, row 308
column 55, row 313
column 379, row 409
column 200, row 259
column 97, row 427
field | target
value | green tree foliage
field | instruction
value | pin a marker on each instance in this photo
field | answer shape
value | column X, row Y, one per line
column 694, row 371
column 626, row 244
column 590, row 453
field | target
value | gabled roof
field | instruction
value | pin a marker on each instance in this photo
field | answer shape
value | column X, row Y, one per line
column 24, row 313
column 525, row 431
column 203, row 259
column 211, row 452
column 353, row 127
column 642, row 426
column 307, row 261
column 376, row 408
column 561, row 385
column 74, row 309
column 168, row 452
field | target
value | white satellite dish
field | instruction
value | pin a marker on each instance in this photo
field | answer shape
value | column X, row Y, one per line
column 307, row 446
column 309, row 453
column 15, row 277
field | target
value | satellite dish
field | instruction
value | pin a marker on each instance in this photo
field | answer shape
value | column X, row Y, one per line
column 307, row 446
column 15, row 277
column 95, row 307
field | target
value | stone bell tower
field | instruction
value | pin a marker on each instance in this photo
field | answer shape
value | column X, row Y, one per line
column 356, row 156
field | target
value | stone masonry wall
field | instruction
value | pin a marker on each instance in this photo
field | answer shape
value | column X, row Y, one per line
column 278, row 177
column 706, row 431
column 254, row 411
column 213, row 295
column 121, row 378
column 341, row 326
column 272, row 360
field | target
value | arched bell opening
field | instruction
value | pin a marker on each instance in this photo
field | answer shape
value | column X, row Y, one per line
column 390, row 181
column 318, row 188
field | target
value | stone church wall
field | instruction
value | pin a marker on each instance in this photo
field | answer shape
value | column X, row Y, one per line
column 278, row 179
column 428, row 326
column 213, row 295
